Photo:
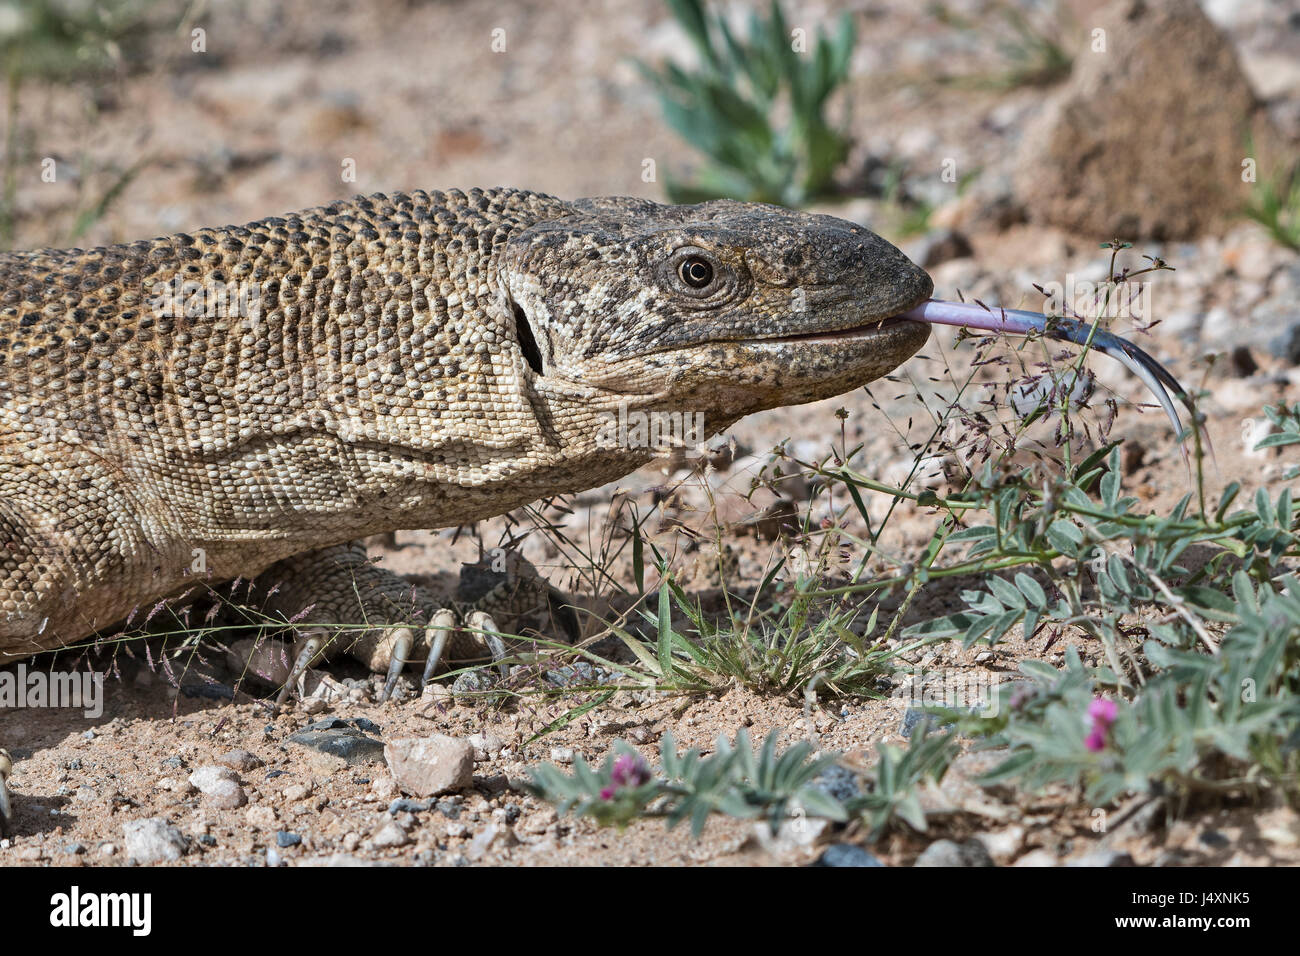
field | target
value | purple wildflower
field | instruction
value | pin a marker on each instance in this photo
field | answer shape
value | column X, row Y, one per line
column 1103, row 713
column 630, row 770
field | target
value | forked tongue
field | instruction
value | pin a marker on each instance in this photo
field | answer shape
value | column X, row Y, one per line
column 975, row 316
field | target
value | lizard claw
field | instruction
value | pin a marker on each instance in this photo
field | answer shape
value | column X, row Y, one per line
column 310, row 648
column 479, row 623
column 401, row 655
column 6, row 809
column 436, row 635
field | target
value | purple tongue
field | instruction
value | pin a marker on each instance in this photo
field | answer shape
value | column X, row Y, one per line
column 1154, row 375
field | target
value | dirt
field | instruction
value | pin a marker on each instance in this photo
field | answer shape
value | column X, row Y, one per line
column 265, row 120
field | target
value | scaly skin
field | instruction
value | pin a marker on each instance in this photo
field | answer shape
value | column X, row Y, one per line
column 385, row 379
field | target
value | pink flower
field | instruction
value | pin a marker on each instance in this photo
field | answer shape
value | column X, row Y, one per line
column 630, row 770
column 1103, row 713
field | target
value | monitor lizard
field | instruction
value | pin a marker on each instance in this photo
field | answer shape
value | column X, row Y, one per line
column 256, row 398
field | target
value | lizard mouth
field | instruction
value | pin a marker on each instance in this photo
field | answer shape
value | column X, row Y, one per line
column 856, row 331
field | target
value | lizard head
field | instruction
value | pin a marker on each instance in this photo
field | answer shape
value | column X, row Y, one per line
column 723, row 308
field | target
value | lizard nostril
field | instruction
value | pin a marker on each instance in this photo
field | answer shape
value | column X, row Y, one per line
column 527, row 344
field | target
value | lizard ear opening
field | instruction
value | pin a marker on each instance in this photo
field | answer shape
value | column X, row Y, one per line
column 527, row 343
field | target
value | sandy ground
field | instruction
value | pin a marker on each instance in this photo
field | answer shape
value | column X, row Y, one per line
column 264, row 122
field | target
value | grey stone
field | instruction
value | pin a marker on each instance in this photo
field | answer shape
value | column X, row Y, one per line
column 838, row 783
column 846, row 854
column 348, row 743
column 428, row 766
column 389, row 835
column 948, row 853
column 239, row 760
column 153, row 841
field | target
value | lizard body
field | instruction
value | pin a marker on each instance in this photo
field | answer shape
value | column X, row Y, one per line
column 263, row 395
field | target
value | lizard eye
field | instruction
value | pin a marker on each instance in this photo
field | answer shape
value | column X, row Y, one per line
column 696, row 272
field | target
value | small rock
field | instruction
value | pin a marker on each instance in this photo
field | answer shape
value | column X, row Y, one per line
column 487, row 743
column 1104, row 858
column 948, row 853
column 182, row 787
column 153, row 841
column 427, row 766
column 348, row 743
column 472, row 683
column 108, row 849
column 490, row 836
column 793, row 838
column 408, row 806
column 838, row 783
column 846, row 854
column 225, row 795
column 286, row 838
column 1003, row 845
column 298, row 791
column 261, row 817
column 562, row 755
column 239, row 761
column 389, row 834
column 912, row 718
column 206, row 779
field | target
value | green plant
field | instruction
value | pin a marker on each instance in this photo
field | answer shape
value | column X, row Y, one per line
column 735, row 781
column 1031, row 50
column 58, row 42
column 728, row 107
column 1275, row 204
